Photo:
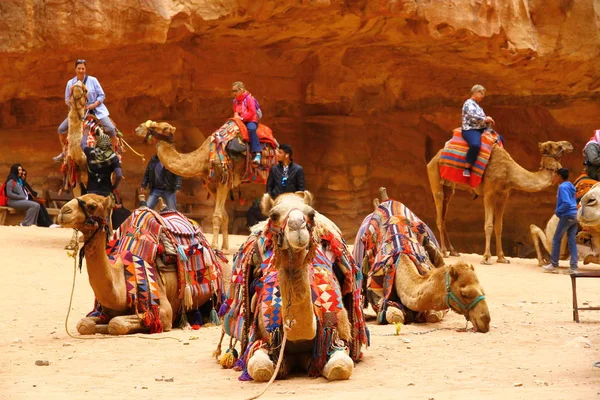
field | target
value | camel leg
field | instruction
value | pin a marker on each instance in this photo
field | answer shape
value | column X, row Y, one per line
column 437, row 191
column 488, row 203
column 433, row 316
column 537, row 236
column 90, row 326
column 448, row 194
column 260, row 366
column 124, row 324
column 394, row 315
column 217, row 219
column 501, row 199
column 339, row 366
column 225, row 229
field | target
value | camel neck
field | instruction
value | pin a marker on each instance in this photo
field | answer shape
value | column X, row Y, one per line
column 104, row 277
column 420, row 293
column 295, row 289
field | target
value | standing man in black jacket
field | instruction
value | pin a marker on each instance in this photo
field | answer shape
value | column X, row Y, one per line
column 163, row 183
column 286, row 176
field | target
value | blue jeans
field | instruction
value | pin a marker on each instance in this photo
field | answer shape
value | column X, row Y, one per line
column 254, row 142
column 568, row 225
column 170, row 198
column 473, row 139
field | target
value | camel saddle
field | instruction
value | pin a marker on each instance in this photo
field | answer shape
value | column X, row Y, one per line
column 454, row 158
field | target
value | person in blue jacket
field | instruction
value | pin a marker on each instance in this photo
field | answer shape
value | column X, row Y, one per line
column 566, row 211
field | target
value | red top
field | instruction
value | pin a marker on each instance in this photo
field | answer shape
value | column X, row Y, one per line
column 245, row 106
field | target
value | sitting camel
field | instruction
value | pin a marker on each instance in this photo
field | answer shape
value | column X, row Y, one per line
column 293, row 281
column 197, row 163
column 407, row 279
column 501, row 175
column 141, row 289
column 588, row 216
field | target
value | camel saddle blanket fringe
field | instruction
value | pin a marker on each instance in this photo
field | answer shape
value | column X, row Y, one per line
column 390, row 231
column 221, row 162
column 454, row 158
column 334, row 284
column 582, row 185
column 151, row 237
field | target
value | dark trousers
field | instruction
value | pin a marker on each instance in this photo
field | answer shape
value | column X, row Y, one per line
column 254, row 142
column 473, row 138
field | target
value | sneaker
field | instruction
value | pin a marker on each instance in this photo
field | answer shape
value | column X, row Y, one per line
column 467, row 173
column 59, row 157
column 256, row 159
column 549, row 268
column 569, row 271
column 54, row 226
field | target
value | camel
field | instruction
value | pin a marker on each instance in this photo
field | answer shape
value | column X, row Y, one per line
column 408, row 280
column 197, row 163
column 316, row 339
column 588, row 216
column 89, row 214
column 501, row 175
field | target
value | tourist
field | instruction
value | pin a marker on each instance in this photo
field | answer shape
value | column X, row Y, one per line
column 566, row 211
column 474, row 122
column 18, row 198
column 286, row 176
column 44, row 218
column 162, row 182
column 244, row 108
column 95, row 105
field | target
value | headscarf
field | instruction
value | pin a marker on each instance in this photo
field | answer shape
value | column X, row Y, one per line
column 103, row 152
column 594, row 139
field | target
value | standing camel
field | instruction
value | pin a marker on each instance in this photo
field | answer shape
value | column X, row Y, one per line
column 197, row 163
column 501, row 175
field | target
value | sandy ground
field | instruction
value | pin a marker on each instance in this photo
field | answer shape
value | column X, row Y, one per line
column 533, row 351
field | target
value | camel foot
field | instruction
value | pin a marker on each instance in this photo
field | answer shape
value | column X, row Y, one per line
column 487, row 260
column 445, row 254
column 503, row 260
column 454, row 253
column 432, row 316
column 339, row 367
column 394, row 315
column 86, row 326
column 260, row 367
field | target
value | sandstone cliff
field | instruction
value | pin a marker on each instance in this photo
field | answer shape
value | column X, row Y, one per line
column 365, row 91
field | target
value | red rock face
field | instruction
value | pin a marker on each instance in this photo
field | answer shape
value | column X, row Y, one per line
column 366, row 92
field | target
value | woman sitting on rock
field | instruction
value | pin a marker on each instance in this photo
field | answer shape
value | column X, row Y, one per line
column 474, row 122
column 18, row 198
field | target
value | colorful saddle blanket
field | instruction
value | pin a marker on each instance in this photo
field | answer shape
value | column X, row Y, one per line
column 329, row 295
column 582, row 185
column 390, row 231
column 454, row 158
column 221, row 163
column 146, row 235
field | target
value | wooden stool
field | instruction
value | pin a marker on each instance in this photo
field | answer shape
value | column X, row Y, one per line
column 574, row 276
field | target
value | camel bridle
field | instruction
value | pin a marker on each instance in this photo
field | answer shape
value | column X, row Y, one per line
column 150, row 132
column 280, row 232
column 451, row 297
column 93, row 221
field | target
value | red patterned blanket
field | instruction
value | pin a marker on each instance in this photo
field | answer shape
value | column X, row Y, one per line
column 454, row 157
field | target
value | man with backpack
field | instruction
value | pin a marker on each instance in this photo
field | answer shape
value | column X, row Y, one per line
column 246, row 108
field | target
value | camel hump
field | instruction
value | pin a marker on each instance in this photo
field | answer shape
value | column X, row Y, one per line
column 375, row 203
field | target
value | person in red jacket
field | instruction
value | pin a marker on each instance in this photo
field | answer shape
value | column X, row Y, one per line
column 244, row 108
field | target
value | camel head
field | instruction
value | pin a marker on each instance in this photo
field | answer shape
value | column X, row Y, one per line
column 78, row 98
column 465, row 295
column 589, row 212
column 292, row 217
column 86, row 212
column 552, row 153
column 161, row 131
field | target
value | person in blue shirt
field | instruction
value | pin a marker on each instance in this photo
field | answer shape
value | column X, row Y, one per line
column 566, row 211
column 95, row 104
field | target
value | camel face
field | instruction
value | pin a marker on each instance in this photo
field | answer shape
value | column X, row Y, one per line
column 555, row 149
column 589, row 212
column 73, row 216
column 158, row 127
column 291, row 213
column 467, row 289
column 78, row 96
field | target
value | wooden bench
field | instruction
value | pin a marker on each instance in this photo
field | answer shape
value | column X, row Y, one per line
column 4, row 211
column 55, row 201
column 574, row 276
column 185, row 204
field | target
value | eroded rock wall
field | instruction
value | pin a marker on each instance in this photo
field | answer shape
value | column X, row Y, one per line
column 366, row 92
